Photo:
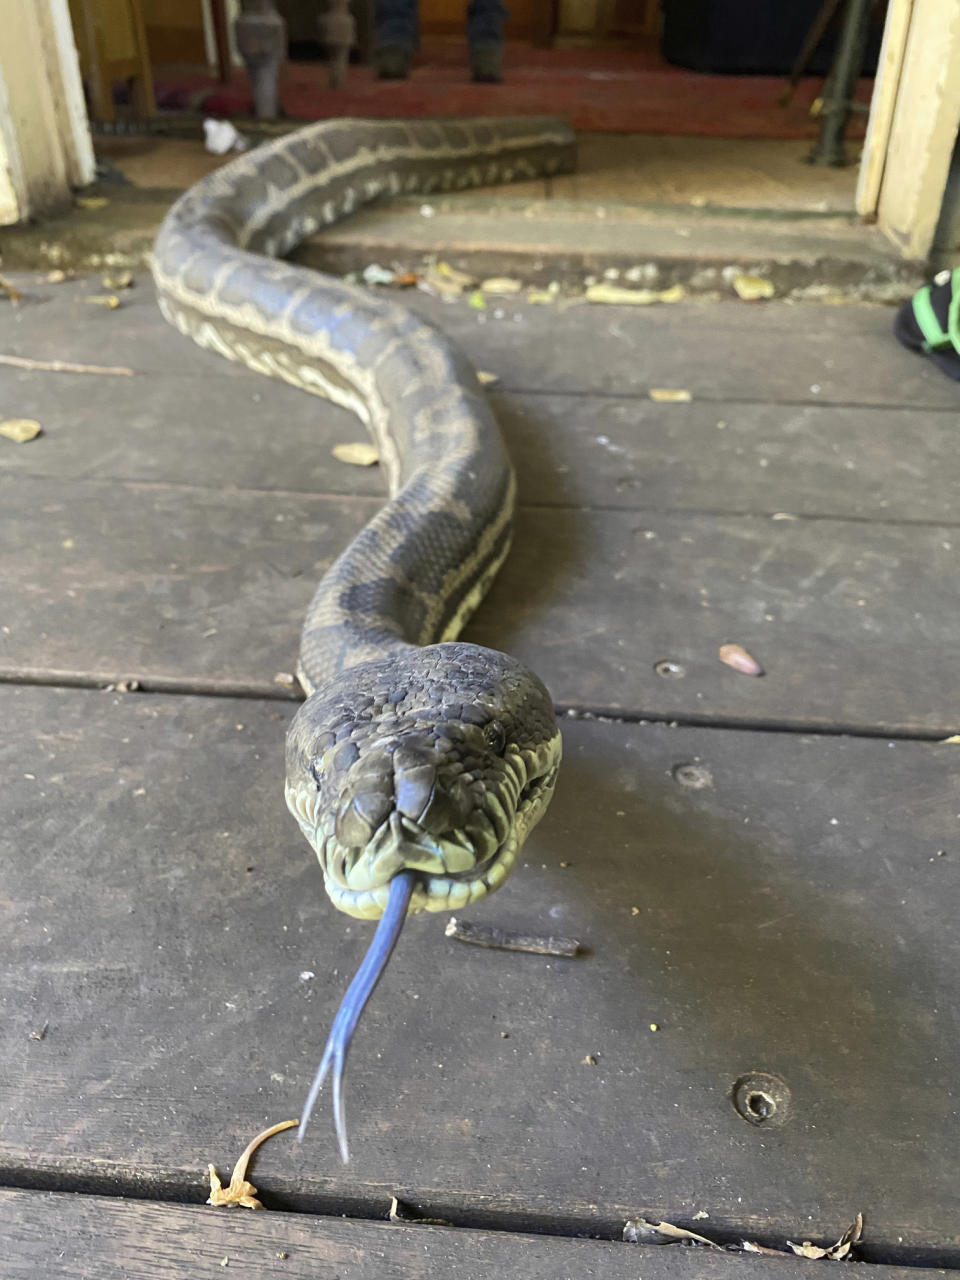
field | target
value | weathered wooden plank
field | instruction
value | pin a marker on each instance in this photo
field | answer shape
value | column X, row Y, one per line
column 760, row 352
column 624, row 452
column 76, row 1237
column 853, row 622
column 792, row 914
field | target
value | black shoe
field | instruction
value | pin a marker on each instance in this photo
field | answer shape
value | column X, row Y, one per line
column 392, row 62
column 486, row 63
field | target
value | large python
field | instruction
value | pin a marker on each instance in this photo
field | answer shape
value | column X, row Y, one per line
column 418, row 764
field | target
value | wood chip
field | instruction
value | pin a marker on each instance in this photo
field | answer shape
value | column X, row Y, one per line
column 734, row 655
column 65, row 366
column 487, row 379
column 358, row 453
column 239, row 1191
column 487, row 935
column 616, row 295
column 104, row 300
column 502, row 285
column 20, row 430
column 753, row 288
column 952, row 740
column 91, row 202
column 669, row 395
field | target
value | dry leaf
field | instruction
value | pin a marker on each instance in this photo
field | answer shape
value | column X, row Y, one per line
column 12, row 293
column 835, row 1252
column 748, row 1246
column 501, row 285
column 549, row 294
column 487, row 379
column 445, row 281
column 734, row 655
column 358, row 454
column 640, row 1231
column 20, row 430
column 91, row 202
column 664, row 395
column 752, row 288
column 239, row 1191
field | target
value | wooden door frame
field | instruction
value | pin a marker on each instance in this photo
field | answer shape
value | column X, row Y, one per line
column 914, row 117
column 45, row 146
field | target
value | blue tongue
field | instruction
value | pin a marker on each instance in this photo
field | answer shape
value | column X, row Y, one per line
column 354, row 1002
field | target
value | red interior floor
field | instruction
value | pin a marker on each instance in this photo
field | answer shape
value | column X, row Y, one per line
column 628, row 90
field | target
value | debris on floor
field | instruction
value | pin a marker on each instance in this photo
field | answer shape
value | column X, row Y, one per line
column 239, row 1191
column 488, row 935
column 220, row 136
column 734, row 655
column 358, row 453
column 641, row 1231
column 20, row 430
column 752, row 288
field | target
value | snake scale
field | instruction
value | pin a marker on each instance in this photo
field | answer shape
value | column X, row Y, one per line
column 418, row 764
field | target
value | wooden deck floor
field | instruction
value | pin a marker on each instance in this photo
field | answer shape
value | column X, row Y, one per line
column 169, row 965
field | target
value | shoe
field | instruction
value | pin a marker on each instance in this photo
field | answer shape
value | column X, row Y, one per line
column 392, row 62
column 486, row 64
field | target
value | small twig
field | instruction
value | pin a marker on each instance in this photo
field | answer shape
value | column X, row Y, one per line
column 488, row 935
column 239, row 1191
column 65, row 366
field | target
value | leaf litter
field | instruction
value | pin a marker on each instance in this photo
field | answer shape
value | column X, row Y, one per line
column 642, row 1231
column 239, row 1191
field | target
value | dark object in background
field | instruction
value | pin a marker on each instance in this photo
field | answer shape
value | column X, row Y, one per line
column 754, row 37
column 397, row 35
column 262, row 43
column 338, row 31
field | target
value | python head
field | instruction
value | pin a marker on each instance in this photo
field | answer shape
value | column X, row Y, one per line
column 387, row 771
column 415, row 798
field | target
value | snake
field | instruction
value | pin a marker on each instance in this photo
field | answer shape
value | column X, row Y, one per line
column 417, row 764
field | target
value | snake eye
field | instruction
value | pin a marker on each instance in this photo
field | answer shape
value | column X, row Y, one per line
column 494, row 735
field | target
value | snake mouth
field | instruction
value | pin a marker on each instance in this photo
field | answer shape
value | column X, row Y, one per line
column 452, row 870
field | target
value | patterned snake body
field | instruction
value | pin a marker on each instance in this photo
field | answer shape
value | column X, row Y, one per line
column 415, row 758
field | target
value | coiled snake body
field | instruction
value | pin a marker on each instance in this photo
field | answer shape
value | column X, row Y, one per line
column 418, row 764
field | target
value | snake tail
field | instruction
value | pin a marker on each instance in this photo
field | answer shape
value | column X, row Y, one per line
column 353, row 1004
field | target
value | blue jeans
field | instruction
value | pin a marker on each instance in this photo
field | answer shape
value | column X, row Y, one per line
column 398, row 22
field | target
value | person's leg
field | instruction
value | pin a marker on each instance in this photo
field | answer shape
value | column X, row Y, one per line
column 485, row 23
column 396, row 24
